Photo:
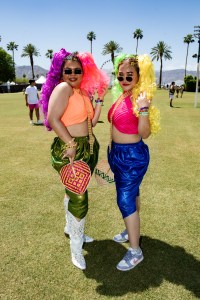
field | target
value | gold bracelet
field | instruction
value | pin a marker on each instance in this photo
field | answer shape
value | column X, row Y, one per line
column 68, row 144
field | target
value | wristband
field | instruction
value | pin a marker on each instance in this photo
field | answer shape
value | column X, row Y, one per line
column 143, row 113
column 145, row 108
column 98, row 101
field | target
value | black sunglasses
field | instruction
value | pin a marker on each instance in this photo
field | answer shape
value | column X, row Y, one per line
column 128, row 78
column 76, row 71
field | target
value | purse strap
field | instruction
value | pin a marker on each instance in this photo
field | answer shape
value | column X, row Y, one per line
column 91, row 136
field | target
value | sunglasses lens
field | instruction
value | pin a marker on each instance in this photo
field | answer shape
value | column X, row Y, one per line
column 68, row 71
column 129, row 78
column 77, row 71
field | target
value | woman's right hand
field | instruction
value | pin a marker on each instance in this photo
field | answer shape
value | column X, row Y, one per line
column 70, row 153
column 103, row 93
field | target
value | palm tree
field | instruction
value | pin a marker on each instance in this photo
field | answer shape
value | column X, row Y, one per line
column 187, row 39
column 30, row 50
column 91, row 36
column 111, row 48
column 49, row 54
column 137, row 34
column 161, row 51
column 12, row 47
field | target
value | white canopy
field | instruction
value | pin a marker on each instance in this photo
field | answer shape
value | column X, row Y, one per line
column 42, row 79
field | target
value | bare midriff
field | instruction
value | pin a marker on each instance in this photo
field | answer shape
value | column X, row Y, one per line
column 123, row 138
column 78, row 130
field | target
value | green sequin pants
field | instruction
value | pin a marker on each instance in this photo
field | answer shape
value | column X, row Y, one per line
column 78, row 204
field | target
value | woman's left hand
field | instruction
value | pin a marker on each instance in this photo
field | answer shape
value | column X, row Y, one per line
column 142, row 100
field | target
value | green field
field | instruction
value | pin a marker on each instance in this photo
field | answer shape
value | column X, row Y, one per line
column 35, row 255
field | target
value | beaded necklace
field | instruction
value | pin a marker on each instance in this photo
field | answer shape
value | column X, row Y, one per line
column 117, row 103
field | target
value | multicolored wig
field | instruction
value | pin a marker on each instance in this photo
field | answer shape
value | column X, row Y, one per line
column 146, row 82
column 93, row 79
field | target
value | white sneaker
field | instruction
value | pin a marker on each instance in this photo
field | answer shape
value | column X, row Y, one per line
column 131, row 259
column 39, row 122
column 31, row 122
column 121, row 237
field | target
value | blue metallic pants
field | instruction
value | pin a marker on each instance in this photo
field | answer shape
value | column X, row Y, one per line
column 129, row 163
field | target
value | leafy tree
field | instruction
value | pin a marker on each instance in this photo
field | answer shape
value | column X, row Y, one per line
column 190, row 83
column 91, row 36
column 12, row 47
column 7, row 70
column 0, row 38
column 159, row 52
column 111, row 48
column 24, row 77
column 137, row 34
column 187, row 39
column 30, row 51
column 49, row 54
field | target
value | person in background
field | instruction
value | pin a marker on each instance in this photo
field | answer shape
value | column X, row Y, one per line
column 68, row 110
column 132, row 118
column 177, row 89
column 32, row 101
column 171, row 92
column 181, row 90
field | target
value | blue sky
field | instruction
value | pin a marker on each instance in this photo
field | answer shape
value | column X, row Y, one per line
column 51, row 24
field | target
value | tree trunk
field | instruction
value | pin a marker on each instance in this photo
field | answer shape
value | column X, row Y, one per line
column 161, row 65
column 186, row 60
column 31, row 59
column 112, row 57
column 136, row 46
column 13, row 59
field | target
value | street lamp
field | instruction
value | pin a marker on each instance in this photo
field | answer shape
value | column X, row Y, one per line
column 197, row 35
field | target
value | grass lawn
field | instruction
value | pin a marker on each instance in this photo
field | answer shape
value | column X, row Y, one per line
column 35, row 254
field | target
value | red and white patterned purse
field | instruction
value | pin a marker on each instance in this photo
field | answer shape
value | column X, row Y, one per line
column 76, row 177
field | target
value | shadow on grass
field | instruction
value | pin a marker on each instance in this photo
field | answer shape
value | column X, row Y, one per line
column 36, row 124
column 161, row 262
column 100, row 121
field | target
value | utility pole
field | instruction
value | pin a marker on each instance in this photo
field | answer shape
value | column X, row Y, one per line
column 197, row 35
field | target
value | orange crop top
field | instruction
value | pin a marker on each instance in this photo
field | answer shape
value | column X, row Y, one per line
column 76, row 111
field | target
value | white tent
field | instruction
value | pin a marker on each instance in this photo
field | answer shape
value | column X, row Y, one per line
column 42, row 79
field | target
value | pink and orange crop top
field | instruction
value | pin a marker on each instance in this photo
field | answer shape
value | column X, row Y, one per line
column 124, row 118
column 76, row 111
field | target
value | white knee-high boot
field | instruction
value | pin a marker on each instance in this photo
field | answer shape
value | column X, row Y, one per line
column 66, row 201
column 76, row 233
column 86, row 238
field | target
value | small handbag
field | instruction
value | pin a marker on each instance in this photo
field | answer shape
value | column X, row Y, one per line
column 103, row 173
column 76, row 177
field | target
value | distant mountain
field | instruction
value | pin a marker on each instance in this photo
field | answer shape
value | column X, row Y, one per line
column 167, row 76
column 173, row 75
column 21, row 70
